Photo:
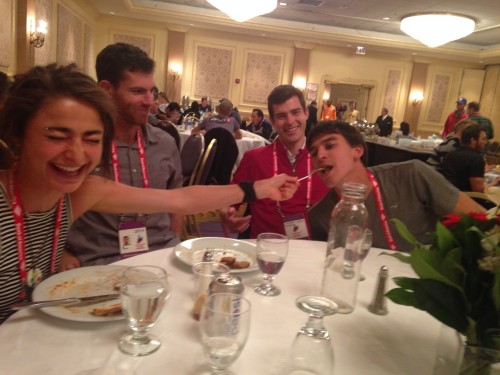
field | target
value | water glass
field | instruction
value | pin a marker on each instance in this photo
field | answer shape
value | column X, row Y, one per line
column 143, row 293
column 224, row 328
column 365, row 248
column 272, row 250
column 204, row 273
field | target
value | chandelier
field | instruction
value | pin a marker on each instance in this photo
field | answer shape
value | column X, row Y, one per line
column 243, row 10
column 436, row 29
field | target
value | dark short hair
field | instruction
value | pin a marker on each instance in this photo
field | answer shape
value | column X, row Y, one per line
column 259, row 112
column 116, row 59
column 474, row 105
column 349, row 132
column 174, row 106
column 30, row 91
column 281, row 94
column 462, row 124
column 405, row 128
column 473, row 131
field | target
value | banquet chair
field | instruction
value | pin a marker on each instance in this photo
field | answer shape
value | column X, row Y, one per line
column 191, row 158
column 171, row 129
column 200, row 177
column 225, row 157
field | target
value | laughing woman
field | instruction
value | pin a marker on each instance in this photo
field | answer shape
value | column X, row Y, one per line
column 55, row 128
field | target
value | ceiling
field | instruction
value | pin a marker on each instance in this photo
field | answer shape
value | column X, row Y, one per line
column 332, row 22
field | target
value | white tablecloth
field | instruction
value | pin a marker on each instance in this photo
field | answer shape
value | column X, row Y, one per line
column 402, row 342
column 248, row 142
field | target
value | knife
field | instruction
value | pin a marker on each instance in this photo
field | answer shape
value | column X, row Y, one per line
column 57, row 302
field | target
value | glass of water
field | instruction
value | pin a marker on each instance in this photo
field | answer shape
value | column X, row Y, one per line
column 365, row 248
column 272, row 250
column 144, row 290
column 224, row 327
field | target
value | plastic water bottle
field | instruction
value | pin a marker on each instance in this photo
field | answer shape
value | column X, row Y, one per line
column 345, row 237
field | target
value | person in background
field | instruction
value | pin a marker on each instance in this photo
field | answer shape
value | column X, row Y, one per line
column 259, row 124
column 329, row 111
column 163, row 101
column 464, row 167
column 455, row 116
column 288, row 114
column 205, row 108
column 384, row 122
column 410, row 191
column 404, row 131
column 145, row 157
column 194, row 110
column 473, row 114
column 451, row 143
column 173, row 113
column 312, row 119
column 45, row 182
column 222, row 120
column 4, row 88
column 351, row 115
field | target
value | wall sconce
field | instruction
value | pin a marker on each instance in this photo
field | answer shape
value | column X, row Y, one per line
column 174, row 73
column 416, row 98
column 360, row 50
column 37, row 37
column 326, row 96
column 300, row 83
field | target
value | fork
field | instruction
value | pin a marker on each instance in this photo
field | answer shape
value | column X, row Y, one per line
column 313, row 172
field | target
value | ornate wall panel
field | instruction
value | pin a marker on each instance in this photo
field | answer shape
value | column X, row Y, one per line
column 263, row 73
column 437, row 97
column 5, row 32
column 392, row 90
column 213, row 72
column 88, row 56
column 44, row 12
column 69, row 37
column 144, row 43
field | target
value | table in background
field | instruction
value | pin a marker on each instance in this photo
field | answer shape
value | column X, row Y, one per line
column 381, row 153
column 248, row 142
column 400, row 343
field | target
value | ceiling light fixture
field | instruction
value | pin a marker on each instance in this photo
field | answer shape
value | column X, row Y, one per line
column 243, row 10
column 436, row 29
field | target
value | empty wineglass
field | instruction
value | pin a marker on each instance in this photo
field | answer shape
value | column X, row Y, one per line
column 143, row 293
column 272, row 249
column 224, row 328
column 312, row 351
column 365, row 248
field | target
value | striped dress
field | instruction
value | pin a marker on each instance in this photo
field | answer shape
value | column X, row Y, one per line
column 39, row 232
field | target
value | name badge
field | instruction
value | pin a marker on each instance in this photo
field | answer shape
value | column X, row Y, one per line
column 296, row 227
column 133, row 238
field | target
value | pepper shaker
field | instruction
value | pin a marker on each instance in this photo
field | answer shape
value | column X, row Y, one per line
column 378, row 305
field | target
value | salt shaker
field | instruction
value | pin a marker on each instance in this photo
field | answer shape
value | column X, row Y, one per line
column 378, row 305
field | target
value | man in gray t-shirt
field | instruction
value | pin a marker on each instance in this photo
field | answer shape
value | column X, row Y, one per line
column 411, row 191
column 222, row 120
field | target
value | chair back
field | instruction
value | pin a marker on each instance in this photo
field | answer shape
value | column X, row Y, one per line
column 171, row 129
column 191, row 157
column 225, row 158
column 203, row 172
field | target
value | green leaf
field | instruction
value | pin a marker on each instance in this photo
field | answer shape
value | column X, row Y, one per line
column 427, row 265
column 445, row 240
column 404, row 232
column 402, row 257
column 496, row 291
column 443, row 302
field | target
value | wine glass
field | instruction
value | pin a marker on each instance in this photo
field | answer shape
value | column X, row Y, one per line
column 224, row 327
column 312, row 351
column 143, row 293
column 365, row 248
column 272, row 249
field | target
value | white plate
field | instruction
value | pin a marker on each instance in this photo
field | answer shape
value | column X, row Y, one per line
column 80, row 282
column 191, row 251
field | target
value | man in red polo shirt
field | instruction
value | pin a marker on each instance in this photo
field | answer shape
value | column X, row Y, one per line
column 288, row 114
column 455, row 116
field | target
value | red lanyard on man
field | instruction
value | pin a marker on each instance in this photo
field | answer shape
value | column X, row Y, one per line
column 381, row 211
column 35, row 273
column 142, row 160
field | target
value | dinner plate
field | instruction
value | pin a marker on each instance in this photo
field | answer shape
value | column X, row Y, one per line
column 80, row 282
column 191, row 251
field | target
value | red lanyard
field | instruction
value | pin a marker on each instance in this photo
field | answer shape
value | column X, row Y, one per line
column 17, row 213
column 381, row 211
column 309, row 180
column 142, row 160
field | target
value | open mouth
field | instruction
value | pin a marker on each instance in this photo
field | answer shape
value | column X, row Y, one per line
column 72, row 171
column 325, row 169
